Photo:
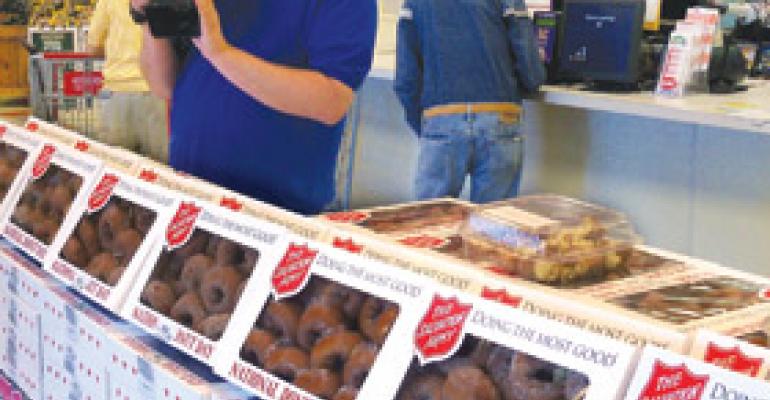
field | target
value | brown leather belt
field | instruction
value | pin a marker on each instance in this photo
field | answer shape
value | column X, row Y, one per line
column 510, row 111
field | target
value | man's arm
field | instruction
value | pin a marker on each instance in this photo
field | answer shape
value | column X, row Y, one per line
column 97, row 33
column 521, row 35
column 158, row 60
column 298, row 92
column 409, row 81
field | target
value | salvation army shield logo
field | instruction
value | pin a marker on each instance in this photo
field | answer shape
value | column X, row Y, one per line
column 43, row 161
column 347, row 217
column 442, row 329
column 423, row 242
column 501, row 296
column 348, row 245
column 677, row 382
column 102, row 192
column 732, row 359
column 148, row 175
column 182, row 225
column 293, row 271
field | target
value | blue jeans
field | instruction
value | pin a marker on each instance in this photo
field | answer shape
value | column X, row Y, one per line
column 483, row 145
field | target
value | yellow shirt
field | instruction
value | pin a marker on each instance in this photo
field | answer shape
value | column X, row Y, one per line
column 113, row 30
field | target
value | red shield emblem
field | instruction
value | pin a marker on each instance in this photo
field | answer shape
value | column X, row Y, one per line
column 348, row 245
column 441, row 331
column 293, row 271
column 148, row 175
column 32, row 126
column 733, row 359
column 182, row 225
column 347, row 217
column 673, row 383
column 43, row 161
column 82, row 145
column 231, row 203
column 102, row 192
column 501, row 296
column 3, row 129
column 423, row 242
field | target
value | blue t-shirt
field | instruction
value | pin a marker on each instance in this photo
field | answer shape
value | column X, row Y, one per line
column 221, row 134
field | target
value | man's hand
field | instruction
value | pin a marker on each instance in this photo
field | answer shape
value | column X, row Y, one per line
column 212, row 42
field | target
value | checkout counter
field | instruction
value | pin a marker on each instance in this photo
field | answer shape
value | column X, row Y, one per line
column 692, row 173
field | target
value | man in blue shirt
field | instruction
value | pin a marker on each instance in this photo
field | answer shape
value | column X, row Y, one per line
column 258, row 104
column 462, row 67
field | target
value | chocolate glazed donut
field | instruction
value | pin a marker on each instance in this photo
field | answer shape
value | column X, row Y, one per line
column 159, row 296
column 376, row 318
column 126, row 244
column 188, row 310
column 143, row 219
column 530, row 378
column 343, row 297
column 219, row 287
column 250, row 258
column 214, row 326
column 196, row 244
column 228, row 253
column 285, row 362
column 113, row 277
column 346, row 393
column 192, row 272
column 469, row 382
column 74, row 253
column 101, row 265
column 112, row 221
column 281, row 318
column 359, row 363
column 320, row 382
column 424, row 387
column 318, row 320
column 256, row 346
column 88, row 236
column 332, row 352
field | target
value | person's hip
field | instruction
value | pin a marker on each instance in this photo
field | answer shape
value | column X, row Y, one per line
column 456, row 121
column 507, row 112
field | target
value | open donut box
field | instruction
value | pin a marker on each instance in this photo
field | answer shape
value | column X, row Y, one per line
column 17, row 151
column 101, row 254
column 465, row 347
column 314, row 326
column 39, row 210
column 194, row 274
column 733, row 350
column 662, row 374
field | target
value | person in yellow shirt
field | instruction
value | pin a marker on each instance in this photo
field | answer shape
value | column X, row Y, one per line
column 131, row 116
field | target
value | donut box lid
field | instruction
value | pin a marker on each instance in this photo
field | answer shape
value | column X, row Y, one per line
column 662, row 374
column 64, row 162
column 488, row 341
column 114, row 157
column 53, row 132
column 164, row 176
column 408, row 218
column 732, row 353
column 304, row 268
column 193, row 217
column 311, row 229
column 29, row 144
column 142, row 199
column 138, row 372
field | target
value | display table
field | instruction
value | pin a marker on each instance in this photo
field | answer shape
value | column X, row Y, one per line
column 690, row 171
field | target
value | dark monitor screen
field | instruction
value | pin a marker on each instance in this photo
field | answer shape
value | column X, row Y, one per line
column 601, row 39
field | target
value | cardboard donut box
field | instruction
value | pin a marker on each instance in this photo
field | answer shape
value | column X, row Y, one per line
column 194, row 276
column 17, row 150
column 315, row 325
column 649, row 300
column 735, row 349
column 101, row 254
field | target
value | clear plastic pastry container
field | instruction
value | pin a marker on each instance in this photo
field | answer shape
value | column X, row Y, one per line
column 550, row 239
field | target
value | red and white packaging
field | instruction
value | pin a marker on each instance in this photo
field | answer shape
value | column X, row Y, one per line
column 731, row 353
column 475, row 348
column 57, row 182
column 17, row 150
column 103, row 251
column 114, row 157
column 137, row 372
column 317, row 296
column 195, row 273
column 53, row 132
column 164, row 176
column 662, row 374
column 26, row 360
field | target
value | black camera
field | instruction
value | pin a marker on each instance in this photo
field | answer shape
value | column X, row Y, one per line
column 173, row 18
